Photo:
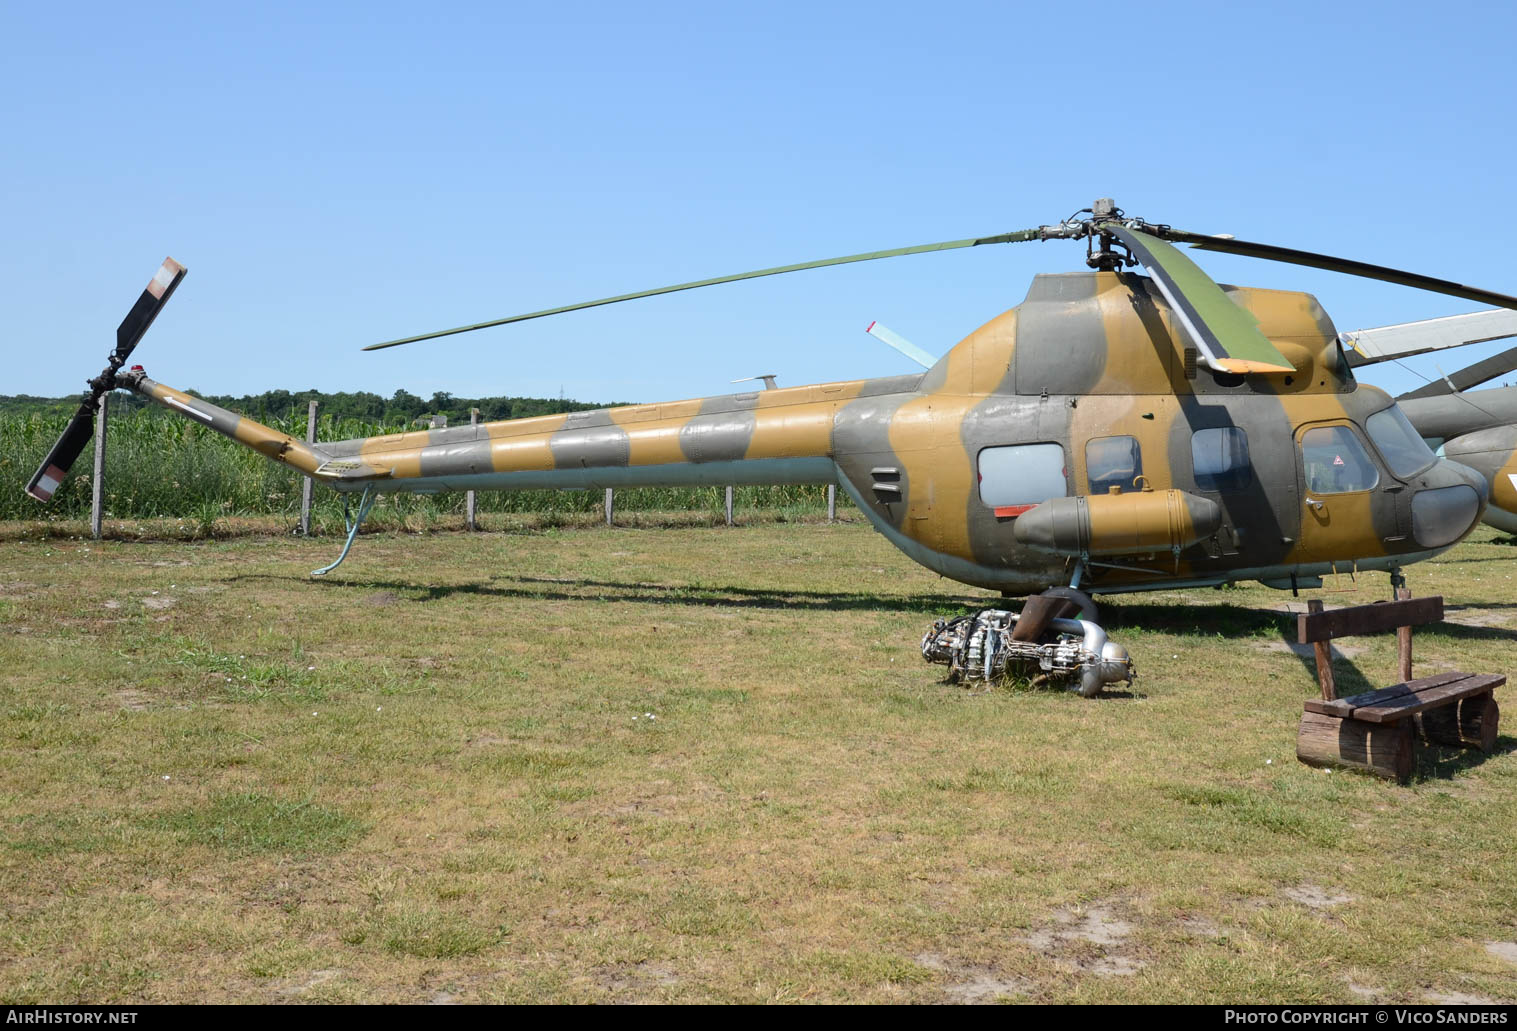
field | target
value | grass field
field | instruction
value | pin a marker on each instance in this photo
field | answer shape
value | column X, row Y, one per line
column 702, row 764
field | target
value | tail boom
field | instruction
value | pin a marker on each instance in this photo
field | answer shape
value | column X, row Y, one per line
column 766, row 437
column 715, row 441
column 280, row 447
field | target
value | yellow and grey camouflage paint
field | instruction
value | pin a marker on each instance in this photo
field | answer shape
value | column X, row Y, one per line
column 281, row 447
column 1085, row 356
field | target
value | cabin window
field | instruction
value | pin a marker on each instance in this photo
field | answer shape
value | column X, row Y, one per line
column 1336, row 463
column 1112, row 462
column 1400, row 445
column 1220, row 459
column 1024, row 474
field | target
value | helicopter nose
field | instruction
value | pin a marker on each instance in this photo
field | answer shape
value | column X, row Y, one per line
column 1449, row 506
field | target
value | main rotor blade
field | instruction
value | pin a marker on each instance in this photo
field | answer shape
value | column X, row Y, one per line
column 1227, row 336
column 1353, row 268
column 54, row 468
column 1017, row 237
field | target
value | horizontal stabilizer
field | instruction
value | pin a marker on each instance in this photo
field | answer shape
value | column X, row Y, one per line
column 350, row 471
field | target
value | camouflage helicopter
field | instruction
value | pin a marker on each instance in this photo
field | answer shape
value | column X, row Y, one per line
column 1113, row 432
column 1478, row 430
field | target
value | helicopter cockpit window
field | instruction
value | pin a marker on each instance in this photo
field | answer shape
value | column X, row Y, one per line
column 1336, row 463
column 1220, row 459
column 1400, row 445
column 1024, row 474
column 1112, row 462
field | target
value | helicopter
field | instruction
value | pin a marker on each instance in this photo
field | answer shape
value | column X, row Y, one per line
column 1478, row 430
column 1113, row 432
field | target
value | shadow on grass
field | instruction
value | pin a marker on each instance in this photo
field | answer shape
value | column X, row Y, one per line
column 1474, row 559
column 1210, row 620
column 1433, row 762
column 1237, row 621
column 1445, row 762
column 701, row 595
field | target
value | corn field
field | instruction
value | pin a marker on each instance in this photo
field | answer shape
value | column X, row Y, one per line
column 159, row 466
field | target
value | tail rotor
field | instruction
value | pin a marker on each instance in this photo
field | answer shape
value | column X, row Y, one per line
column 54, row 469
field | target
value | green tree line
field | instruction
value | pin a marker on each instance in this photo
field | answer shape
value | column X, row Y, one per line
column 401, row 408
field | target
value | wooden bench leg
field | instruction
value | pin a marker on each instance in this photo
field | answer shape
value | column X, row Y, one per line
column 1384, row 749
column 1469, row 723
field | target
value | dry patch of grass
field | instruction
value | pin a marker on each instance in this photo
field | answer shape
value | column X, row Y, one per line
column 700, row 764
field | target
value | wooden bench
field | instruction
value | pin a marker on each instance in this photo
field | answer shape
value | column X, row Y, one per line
column 1376, row 730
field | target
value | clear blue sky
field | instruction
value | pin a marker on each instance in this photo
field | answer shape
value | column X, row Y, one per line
column 335, row 175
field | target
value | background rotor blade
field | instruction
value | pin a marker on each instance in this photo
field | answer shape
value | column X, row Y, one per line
column 54, row 469
column 901, row 344
column 1353, row 268
column 1467, row 377
column 1017, row 237
column 1387, row 343
column 1227, row 336
column 156, row 294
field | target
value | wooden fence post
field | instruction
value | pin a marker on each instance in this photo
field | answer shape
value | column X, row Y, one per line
column 309, row 484
column 469, row 497
column 832, row 502
column 97, row 501
column 729, row 504
column 1324, row 654
column 608, row 506
column 1404, row 640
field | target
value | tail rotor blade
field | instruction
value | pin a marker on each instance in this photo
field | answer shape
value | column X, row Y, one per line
column 54, row 469
column 154, row 296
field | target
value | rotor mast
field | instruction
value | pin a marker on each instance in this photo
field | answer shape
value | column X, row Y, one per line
column 1103, row 252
